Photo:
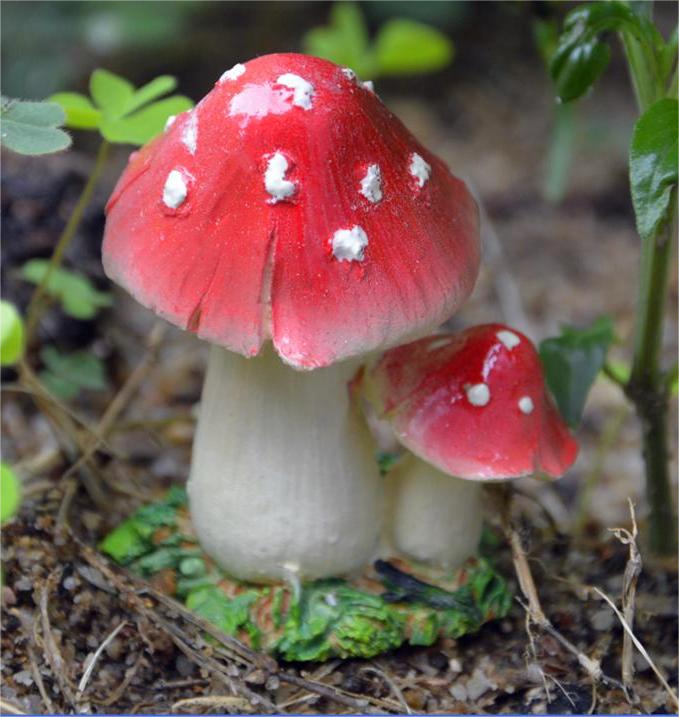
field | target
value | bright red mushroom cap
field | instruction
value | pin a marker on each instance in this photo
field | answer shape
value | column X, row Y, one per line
column 473, row 404
column 291, row 204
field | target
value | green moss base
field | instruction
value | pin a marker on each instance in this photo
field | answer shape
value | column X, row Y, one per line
column 319, row 620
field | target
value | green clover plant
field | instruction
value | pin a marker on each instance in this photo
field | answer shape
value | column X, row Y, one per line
column 32, row 128
column 121, row 113
column 401, row 46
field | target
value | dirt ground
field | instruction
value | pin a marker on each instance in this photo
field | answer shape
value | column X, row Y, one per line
column 544, row 265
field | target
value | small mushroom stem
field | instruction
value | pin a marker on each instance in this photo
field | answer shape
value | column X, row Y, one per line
column 283, row 484
column 433, row 517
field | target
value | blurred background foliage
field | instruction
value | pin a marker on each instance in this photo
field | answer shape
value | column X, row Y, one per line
column 183, row 38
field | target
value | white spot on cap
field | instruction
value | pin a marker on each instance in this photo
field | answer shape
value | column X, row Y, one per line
column 526, row 405
column 234, row 73
column 419, row 169
column 478, row 394
column 170, row 121
column 349, row 244
column 175, row 189
column 190, row 133
column 303, row 90
column 371, row 184
column 348, row 73
column 508, row 338
column 368, row 85
column 274, row 179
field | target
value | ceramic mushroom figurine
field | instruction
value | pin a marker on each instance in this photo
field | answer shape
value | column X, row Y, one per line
column 292, row 222
column 472, row 408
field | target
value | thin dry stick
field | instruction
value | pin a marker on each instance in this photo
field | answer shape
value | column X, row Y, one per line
column 119, row 691
column 391, row 685
column 671, row 693
column 123, row 397
column 527, row 585
column 220, row 702
column 52, row 652
column 8, row 708
column 82, row 685
column 504, row 283
column 629, row 593
column 37, row 678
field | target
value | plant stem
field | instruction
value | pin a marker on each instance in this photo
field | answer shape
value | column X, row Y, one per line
column 671, row 377
column 40, row 299
column 647, row 388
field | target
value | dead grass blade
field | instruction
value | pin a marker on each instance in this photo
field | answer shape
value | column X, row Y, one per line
column 628, row 630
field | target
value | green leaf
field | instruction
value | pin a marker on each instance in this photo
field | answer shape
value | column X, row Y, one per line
column 76, row 293
column 80, row 112
column 582, row 56
column 344, row 41
column 405, row 47
column 65, row 375
column 11, row 334
column 653, row 165
column 32, row 127
column 10, row 493
column 153, row 90
column 572, row 362
column 144, row 125
column 110, row 92
column 576, row 71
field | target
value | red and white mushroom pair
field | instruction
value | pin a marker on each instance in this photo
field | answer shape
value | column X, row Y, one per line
column 294, row 223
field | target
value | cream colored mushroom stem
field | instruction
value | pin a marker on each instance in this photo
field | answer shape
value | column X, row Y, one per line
column 432, row 516
column 283, row 481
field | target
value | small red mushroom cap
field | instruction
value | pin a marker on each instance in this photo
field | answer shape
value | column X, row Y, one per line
column 291, row 205
column 473, row 404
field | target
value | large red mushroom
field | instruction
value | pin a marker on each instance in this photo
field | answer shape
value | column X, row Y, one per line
column 472, row 408
column 291, row 207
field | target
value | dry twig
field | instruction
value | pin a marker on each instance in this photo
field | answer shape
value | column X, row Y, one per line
column 629, row 592
column 661, row 678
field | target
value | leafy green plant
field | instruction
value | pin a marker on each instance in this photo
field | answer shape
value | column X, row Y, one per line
column 76, row 293
column 401, row 46
column 32, row 127
column 65, row 375
column 11, row 334
column 572, row 362
column 10, row 493
column 121, row 113
column 581, row 56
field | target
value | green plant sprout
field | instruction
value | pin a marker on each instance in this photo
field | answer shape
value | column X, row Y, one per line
column 76, row 293
column 572, row 362
column 579, row 60
column 32, row 128
column 10, row 493
column 65, row 375
column 121, row 114
column 401, row 46
column 11, row 334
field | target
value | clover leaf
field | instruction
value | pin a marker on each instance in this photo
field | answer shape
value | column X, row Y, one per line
column 122, row 113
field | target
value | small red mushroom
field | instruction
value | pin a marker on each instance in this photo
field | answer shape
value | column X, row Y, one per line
column 473, row 407
column 289, row 206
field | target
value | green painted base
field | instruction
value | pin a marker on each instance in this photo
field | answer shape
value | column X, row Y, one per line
column 319, row 620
